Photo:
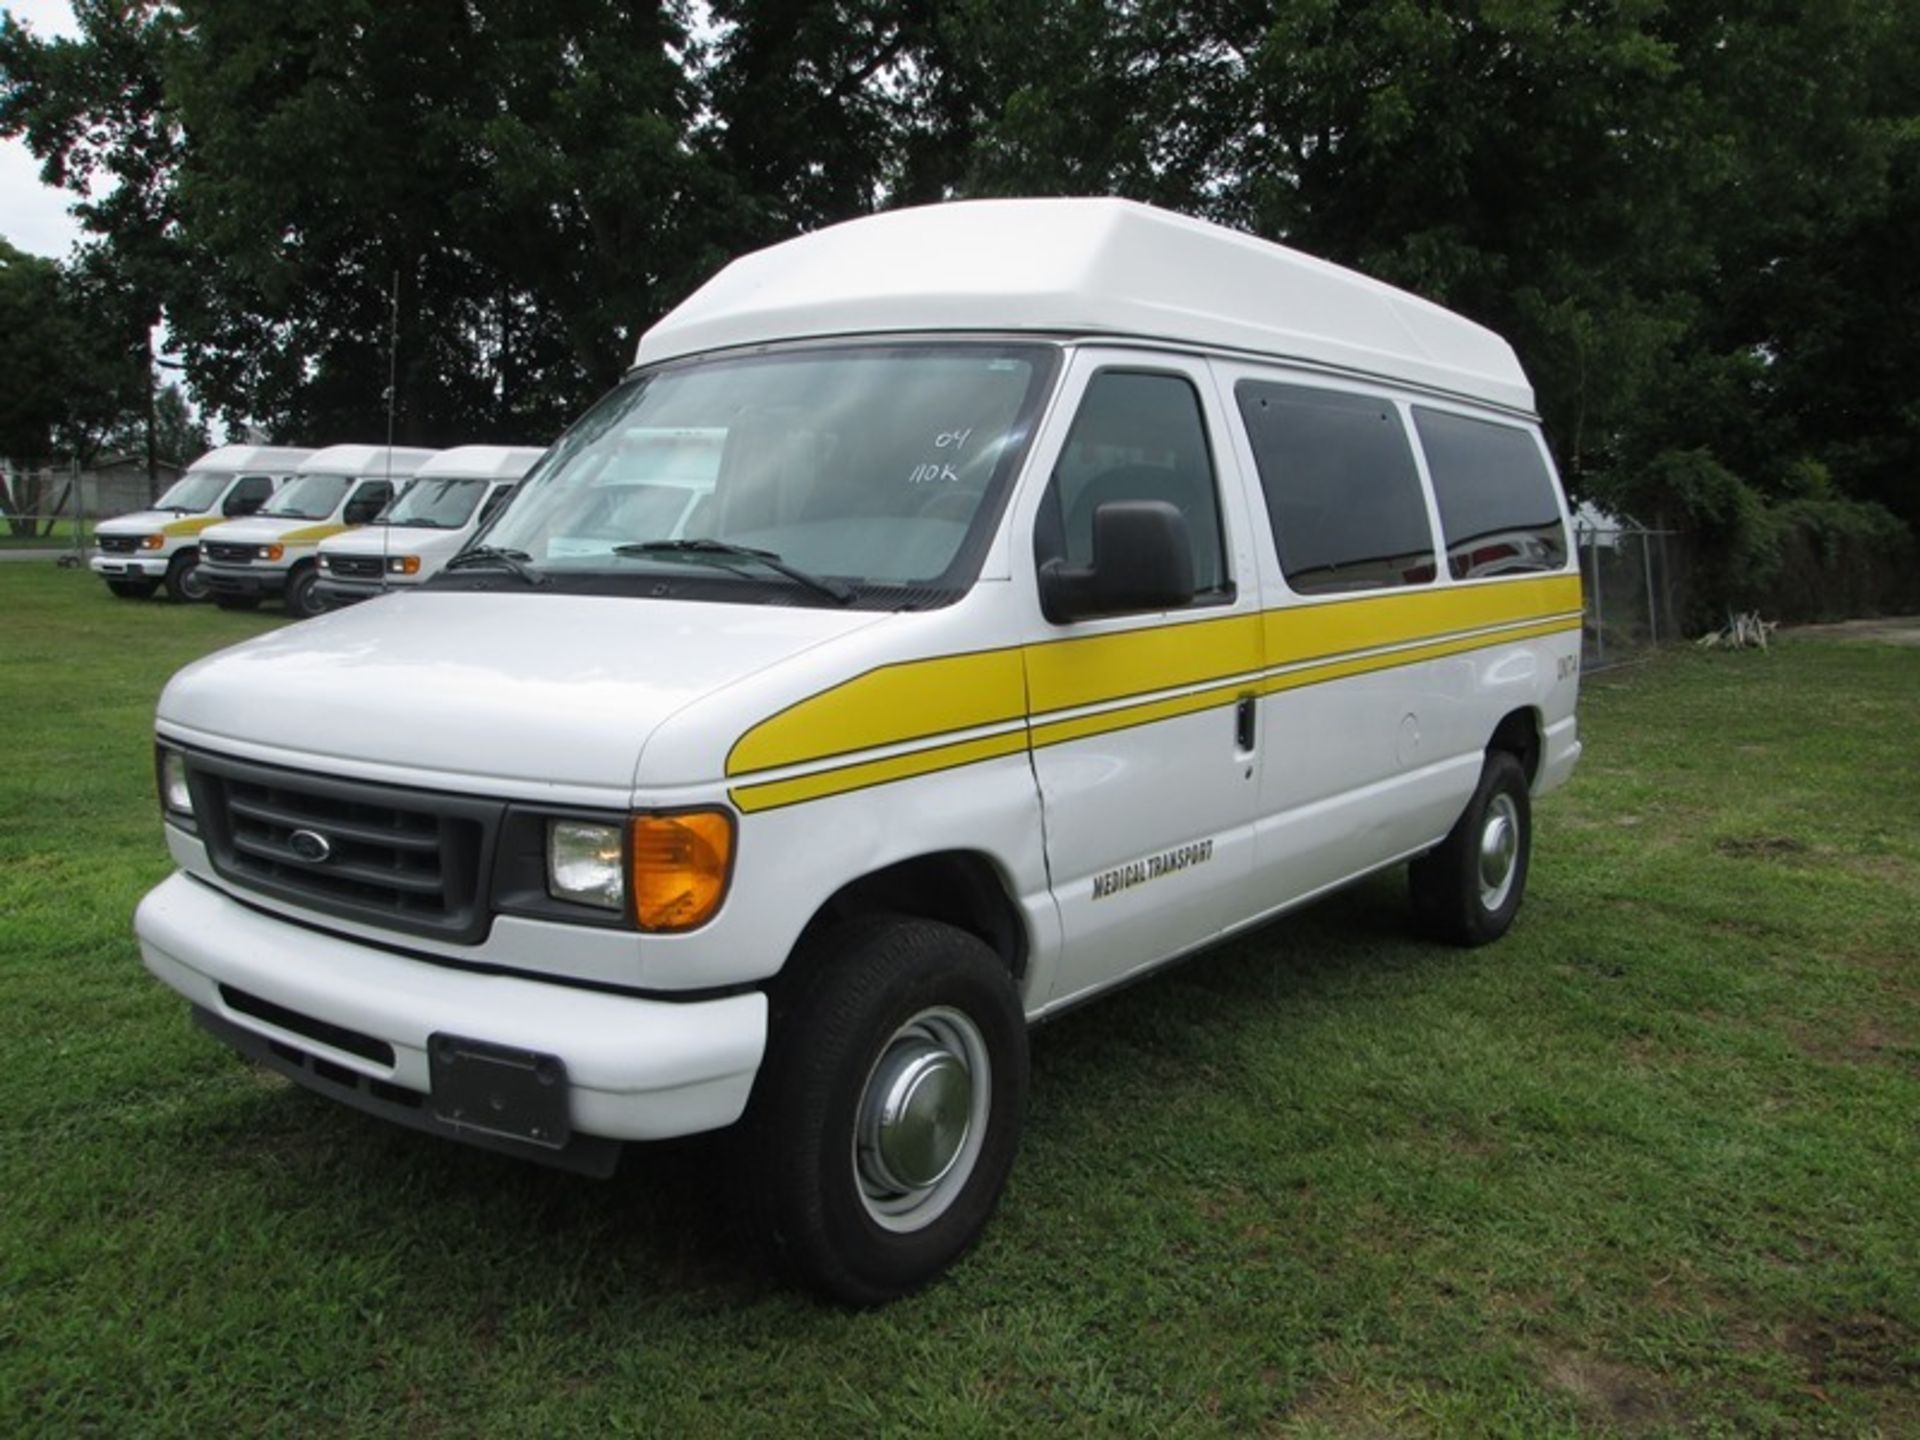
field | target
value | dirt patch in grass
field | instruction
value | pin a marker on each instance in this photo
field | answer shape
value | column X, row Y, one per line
column 1619, row 1395
column 1759, row 847
column 1869, row 1041
column 1863, row 1349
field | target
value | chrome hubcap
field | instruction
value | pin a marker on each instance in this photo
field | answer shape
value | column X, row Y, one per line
column 921, row 1120
column 1499, row 849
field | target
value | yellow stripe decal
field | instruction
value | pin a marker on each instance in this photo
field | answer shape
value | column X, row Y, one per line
column 191, row 527
column 1066, row 674
column 775, row 793
column 1313, row 632
column 313, row 533
column 936, row 697
column 1308, row 644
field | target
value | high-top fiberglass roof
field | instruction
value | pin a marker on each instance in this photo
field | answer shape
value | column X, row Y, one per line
column 1099, row 267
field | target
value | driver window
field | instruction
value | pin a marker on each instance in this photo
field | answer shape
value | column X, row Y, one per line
column 1137, row 437
column 248, row 496
column 369, row 502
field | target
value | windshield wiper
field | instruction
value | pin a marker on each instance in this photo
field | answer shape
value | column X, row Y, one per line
column 721, row 551
column 494, row 557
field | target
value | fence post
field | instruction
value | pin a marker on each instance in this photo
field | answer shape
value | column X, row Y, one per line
column 1653, row 610
column 79, row 523
column 1599, row 610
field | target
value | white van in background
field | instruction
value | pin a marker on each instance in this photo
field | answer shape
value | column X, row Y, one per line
column 273, row 554
column 160, row 546
column 452, row 495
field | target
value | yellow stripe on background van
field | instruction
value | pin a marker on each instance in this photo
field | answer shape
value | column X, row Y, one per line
column 313, row 533
column 191, row 527
column 911, row 701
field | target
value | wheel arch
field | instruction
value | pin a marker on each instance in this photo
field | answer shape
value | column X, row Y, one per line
column 1518, row 734
column 961, row 888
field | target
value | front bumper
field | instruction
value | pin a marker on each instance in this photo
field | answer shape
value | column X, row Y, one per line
column 338, row 593
column 247, row 584
column 637, row 1069
column 129, row 567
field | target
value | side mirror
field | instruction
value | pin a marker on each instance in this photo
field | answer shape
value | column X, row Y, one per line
column 238, row 505
column 1142, row 560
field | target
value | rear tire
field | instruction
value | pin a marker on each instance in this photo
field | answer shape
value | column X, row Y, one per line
column 887, row 1113
column 183, row 583
column 1467, row 889
column 132, row 589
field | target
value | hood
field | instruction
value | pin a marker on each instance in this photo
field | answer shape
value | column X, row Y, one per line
column 265, row 529
column 397, row 540
column 158, row 522
column 541, row 689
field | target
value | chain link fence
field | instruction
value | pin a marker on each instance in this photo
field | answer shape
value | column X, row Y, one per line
column 1635, row 582
column 44, row 512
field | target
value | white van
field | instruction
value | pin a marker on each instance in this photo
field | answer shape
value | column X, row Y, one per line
column 160, row 546
column 1078, row 585
column 455, row 493
column 272, row 555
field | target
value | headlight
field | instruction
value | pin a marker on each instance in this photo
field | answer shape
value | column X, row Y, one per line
column 667, row 872
column 585, row 864
column 175, row 796
column 681, row 865
column 153, row 542
column 403, row 564
column 270, row 552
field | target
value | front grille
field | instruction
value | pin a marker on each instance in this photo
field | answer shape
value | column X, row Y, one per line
column 118, row 544
column 410, row 860
column 228, row 554
column 354, row 567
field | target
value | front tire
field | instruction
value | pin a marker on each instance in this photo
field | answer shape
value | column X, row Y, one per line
column 888, row 1110
column 1467, row 889
column 183, row 583
column 304, row 599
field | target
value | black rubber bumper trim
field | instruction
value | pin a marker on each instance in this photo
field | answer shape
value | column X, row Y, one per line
column 229, row 582
column 593, row 1155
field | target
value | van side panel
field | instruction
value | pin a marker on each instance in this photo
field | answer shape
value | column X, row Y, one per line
column 1379, row 702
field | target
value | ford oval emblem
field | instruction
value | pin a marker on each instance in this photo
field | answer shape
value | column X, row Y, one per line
column 310, row 846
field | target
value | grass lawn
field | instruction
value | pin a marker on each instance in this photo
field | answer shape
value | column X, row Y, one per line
column 1650, row 1164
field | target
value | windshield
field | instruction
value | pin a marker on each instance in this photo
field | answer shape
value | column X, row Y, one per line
column 435, row 504
column 308, row 497
column 194, row 491
column 881, row 466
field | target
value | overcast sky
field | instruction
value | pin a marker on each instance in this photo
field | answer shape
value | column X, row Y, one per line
column 33, row 217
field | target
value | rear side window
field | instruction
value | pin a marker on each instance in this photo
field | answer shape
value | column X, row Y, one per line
column 1341, row 487
column 1497, row 502
column 1138, row 436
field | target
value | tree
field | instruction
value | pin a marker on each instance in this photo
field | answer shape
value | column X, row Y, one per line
column 67, row 374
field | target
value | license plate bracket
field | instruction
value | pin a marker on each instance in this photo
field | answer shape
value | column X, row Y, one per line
column 499, row 1089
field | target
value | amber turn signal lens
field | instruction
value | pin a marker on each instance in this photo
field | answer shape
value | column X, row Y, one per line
column 272, row 552
column 680, row 867
column 152, row 542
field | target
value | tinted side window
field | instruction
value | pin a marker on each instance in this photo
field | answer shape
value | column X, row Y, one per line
column 1497, row 503
column 1137, row 437
column 1341, row 487
column 248, row 496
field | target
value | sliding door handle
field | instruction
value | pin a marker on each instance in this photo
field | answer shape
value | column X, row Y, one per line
column 1244, row 733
